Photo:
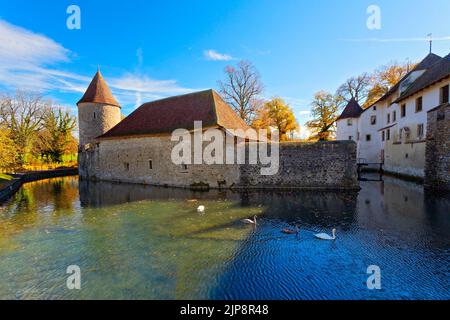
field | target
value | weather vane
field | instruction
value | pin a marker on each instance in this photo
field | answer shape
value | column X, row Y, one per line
column 430, row 35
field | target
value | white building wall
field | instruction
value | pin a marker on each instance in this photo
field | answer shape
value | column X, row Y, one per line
column 404, row 156
column 405, row 153
column 344, row 130
column 369, row 143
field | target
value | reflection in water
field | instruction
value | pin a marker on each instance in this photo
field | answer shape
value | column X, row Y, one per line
column 136, row 242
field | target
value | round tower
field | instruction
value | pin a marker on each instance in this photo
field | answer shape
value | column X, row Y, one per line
column 98, row 111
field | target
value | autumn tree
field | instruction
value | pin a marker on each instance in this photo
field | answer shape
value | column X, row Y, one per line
column 277, row 114
column 385, row 78
column 324, row 113
column 8, row 149
column 23, row 115
column 56, row 136
column 242, row 89
column 355, row 88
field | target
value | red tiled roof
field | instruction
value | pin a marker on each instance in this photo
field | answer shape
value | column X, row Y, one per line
column 98, row 92
column 179, row 112
column 352, row 110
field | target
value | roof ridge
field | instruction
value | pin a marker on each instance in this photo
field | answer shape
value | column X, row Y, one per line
column 177, row 96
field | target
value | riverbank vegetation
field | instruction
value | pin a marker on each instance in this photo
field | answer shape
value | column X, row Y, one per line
column 35, row 134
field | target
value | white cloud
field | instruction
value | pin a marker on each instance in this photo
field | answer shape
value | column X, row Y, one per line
column 30, row 61
column 412, row 39
column 216, row 56
column 25, row 48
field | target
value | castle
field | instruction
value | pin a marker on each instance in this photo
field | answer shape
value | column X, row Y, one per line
column 399, row 129
column 138, row 148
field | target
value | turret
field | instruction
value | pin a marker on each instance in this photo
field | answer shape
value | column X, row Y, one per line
column 98, row 111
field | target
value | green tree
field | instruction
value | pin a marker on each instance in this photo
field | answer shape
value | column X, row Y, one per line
column 276, row 113
column 23, row 115
column 324, row 113
column 56, row 136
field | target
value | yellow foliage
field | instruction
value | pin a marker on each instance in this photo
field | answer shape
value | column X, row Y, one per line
column 277, row 114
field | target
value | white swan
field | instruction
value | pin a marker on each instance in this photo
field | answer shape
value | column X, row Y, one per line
column 249, row 221
column 201, row 209
column 324, row 236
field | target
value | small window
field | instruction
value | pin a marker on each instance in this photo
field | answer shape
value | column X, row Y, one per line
column 383, row 135
column 388, row 118
column 374, row 108
column 445, row 94
column 419, row 104
column 350, row 137
column 394, row 116
column 403, row 110
column 349, row 122
column 373, row 120
column 358, row 136
column 126, row 166
column 400, row 134
column 420, row 130
column 150, row 164
column 368, row 137
column 95, row 115
column 388, row 134
column 184, row 167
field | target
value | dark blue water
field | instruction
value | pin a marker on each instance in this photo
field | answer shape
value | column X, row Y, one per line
column 142, row 242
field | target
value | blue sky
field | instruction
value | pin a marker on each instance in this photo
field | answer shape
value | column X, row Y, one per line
column 152, row 49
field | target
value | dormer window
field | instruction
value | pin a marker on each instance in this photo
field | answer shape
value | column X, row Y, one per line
column 410, row 79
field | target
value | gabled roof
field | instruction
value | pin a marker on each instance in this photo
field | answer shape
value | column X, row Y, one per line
column 179, row 112
column 98, row 92
column 437, row 72
column 352, row 110
column 426, row 63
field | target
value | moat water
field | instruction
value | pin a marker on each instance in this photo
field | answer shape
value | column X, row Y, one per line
column 141, row 242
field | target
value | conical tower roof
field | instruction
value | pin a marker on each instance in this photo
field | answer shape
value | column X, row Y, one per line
column 352, row 110
column 98, row 92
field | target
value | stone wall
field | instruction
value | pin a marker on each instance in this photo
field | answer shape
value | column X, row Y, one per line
column 147, row 160
column 322, row 165
column 437, row 158
column 94, row 119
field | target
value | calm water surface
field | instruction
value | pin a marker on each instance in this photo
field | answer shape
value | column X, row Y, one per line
column 141, row 242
